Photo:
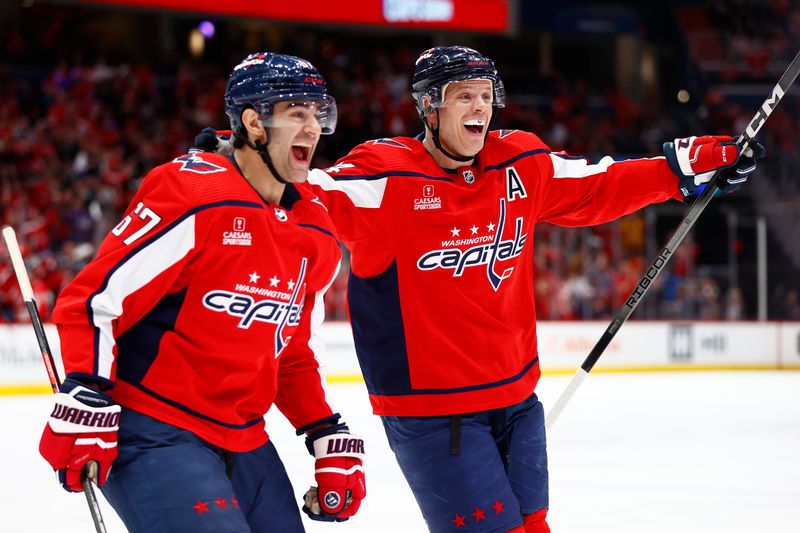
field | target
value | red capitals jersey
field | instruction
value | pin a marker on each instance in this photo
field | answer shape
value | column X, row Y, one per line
column 441, row 291
column 202, row 303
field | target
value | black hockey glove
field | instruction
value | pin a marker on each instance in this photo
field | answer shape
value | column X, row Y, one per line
column 734, row 177
column 211, row 140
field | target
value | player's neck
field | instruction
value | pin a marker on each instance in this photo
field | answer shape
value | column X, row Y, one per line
column 257, row 173
column 441, row 159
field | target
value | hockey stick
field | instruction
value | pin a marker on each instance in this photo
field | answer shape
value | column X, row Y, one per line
column 666, row 252
column 90, row 470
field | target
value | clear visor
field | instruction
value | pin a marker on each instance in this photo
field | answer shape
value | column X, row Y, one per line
column 465, row 93
column 299, row 109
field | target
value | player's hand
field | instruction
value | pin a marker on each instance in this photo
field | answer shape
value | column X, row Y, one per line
column 339, row 473
column 82, row 427
column 211, row 140
column 732, row 178
column 695, row 160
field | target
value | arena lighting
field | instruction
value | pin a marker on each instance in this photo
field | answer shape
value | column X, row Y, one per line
column 683, row 96
column 197, row 43
column 207, row 29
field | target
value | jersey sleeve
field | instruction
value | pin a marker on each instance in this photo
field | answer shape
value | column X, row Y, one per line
column 353, row 191
column 575, row 192
column 138, row 262
column 301, row 395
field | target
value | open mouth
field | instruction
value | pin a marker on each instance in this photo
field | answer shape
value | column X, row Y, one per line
column 301, row 153
column 474, row 126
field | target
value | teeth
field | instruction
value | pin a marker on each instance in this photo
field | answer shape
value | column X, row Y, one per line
column 474, row 122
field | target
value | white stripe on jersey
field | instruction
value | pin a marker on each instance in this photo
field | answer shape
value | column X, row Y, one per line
column 363, row 193
column 315, row 341
column 580, row 168
column 135, row 273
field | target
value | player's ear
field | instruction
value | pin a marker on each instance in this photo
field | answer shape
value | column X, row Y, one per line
column 252, row 124
column 433, row 117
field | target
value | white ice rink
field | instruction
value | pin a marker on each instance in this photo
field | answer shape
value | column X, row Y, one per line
column 632, row 453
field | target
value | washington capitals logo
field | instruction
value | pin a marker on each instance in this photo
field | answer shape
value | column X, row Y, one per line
column 194, row 163
column 425, row 55
column 488, row 251
column 249, row 61
column 279, row 308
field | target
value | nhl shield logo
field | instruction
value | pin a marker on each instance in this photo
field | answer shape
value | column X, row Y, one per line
column 468, row 175
column 280, row 214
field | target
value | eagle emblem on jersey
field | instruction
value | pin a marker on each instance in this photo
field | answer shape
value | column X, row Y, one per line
column 390, row 142
column 192, row 162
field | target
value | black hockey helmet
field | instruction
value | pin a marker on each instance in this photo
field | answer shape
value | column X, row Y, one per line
column 436, row 67
column 264, row 78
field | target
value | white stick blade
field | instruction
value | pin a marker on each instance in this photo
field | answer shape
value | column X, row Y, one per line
column 19, row 265
column 562, row 401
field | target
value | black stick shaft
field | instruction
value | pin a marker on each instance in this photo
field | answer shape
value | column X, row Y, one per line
column 622, row 314
column 89, row 471
column 689, row 219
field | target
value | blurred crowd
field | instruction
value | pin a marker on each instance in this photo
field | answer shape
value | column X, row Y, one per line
column 77, row 137
column 758, row 32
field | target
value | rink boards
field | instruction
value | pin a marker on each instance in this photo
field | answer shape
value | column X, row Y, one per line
column 639, row 346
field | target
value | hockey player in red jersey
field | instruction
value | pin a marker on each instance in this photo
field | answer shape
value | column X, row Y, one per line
column 441, row 300
column 198, row 313
column 440, row 229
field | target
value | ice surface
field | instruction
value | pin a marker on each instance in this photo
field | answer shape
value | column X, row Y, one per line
column 662, row 452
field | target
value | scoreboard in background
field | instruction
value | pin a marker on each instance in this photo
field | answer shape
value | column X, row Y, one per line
column 463, row 15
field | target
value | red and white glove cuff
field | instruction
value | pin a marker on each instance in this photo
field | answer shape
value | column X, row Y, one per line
column 73, row 416
column 339, row 445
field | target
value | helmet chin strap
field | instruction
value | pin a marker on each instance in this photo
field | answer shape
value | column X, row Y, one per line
column 261, row 148
column 438, row 144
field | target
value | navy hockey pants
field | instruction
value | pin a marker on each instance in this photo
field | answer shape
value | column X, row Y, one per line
column 498, row 475
column 169, row 480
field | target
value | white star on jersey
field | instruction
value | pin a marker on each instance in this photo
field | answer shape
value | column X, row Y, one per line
column 290, row 283
column 254, row 277
column 455, row 232
column 490, row 226
column 273, row 281
column 474, row 229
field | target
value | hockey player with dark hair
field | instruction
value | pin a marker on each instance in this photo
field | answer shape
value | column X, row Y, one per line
column 441, row 292
column 200, row 312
